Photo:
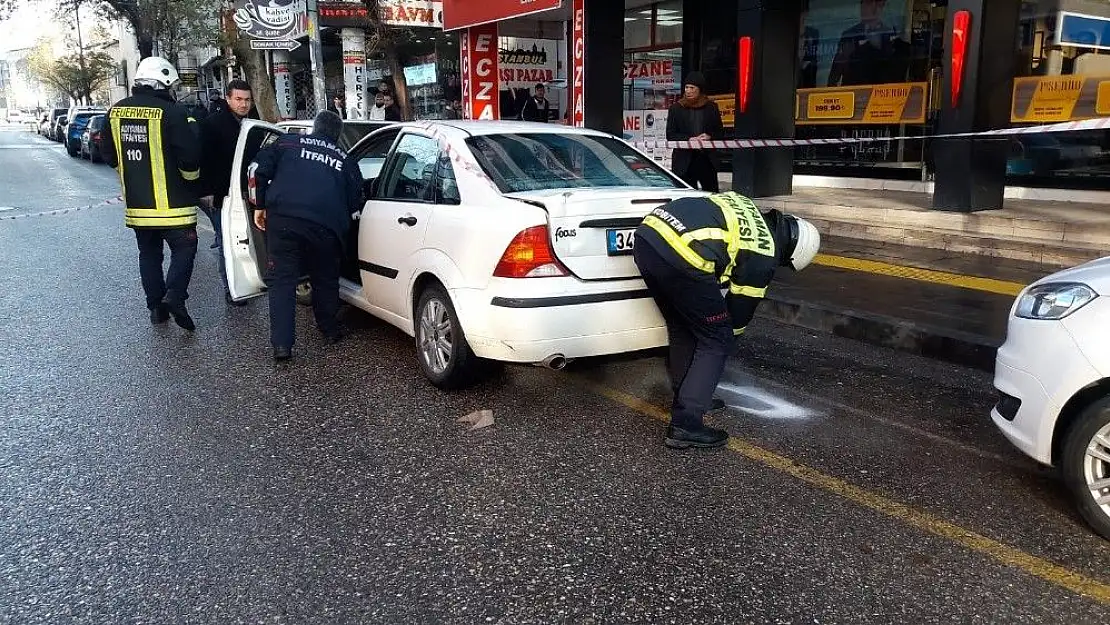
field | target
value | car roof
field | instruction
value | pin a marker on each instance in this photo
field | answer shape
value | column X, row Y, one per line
column 499, row 127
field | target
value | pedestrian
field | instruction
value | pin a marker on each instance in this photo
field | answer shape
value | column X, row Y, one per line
column 338, row 107
column 536, row 108
column 696, row 117
column 155, row 146
column 219, row 135
column 392, row 111
column 377, row 112
column 688, row 251
column 305, row 190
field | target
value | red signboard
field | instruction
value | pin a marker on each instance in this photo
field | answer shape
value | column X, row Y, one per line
column 464, row 13
column 481, row 83
column 464, row 73
column 578, row 64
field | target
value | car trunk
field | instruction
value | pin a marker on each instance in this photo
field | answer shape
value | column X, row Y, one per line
column 591, row 229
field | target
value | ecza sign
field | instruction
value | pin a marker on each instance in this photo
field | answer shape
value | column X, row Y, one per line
column 482, row 69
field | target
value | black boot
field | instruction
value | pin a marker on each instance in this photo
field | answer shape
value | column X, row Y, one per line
column 717, row 404
column 159, row 315
column 282, row 354
column 695, row 436
column 181, row 315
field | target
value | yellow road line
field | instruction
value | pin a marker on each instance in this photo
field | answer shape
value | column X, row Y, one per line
column 990, row 285
column 1011, row 556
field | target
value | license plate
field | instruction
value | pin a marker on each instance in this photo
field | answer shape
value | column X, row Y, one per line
column 620, row 242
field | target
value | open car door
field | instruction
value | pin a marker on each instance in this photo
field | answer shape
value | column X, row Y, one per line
column 244, row 245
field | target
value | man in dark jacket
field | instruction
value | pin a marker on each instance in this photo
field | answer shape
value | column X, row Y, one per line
column 694, row 117
column 305, row 191
column 153, row 144
column 687, row 251
column 536, row 108
column 219, row 134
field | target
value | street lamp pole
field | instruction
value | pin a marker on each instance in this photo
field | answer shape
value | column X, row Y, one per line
column 81, row 53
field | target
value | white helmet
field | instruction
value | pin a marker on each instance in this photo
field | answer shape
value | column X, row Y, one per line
column 807, row 245
column 154, row 71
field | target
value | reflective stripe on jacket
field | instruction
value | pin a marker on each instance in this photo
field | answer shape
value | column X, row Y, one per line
column 155, row 147
column 723, row 237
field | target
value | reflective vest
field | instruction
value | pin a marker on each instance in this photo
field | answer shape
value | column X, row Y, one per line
column 155, row 147
column 724, row 236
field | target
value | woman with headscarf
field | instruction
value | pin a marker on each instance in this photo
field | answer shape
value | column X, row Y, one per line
column 694, row 117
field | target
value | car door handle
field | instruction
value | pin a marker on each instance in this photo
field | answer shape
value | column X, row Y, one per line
column 407, row 220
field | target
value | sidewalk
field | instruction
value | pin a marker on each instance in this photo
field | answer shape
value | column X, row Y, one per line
column 947, row 305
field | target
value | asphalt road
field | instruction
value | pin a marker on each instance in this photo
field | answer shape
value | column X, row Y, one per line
column 149, row 476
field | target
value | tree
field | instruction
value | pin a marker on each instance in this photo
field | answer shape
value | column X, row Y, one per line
column 174, row 25
column 68, row 74
column 383, row 41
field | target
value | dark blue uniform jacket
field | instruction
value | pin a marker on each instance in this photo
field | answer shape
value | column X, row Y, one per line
column 307, row 177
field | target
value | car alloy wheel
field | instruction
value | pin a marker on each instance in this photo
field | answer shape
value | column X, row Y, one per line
column 1085, row 464
column 436, row 337
column 444, row 355
column 1096, row 469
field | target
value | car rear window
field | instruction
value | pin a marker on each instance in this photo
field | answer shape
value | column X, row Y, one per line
column 540, row 161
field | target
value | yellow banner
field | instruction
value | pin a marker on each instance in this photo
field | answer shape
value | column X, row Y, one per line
column 1051, row 99
column 726, row 103
column 895, row 104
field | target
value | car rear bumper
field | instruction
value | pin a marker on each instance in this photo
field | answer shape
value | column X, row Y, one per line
column 578, row 325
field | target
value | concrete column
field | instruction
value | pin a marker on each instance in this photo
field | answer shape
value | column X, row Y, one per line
column 971, row 173
column 600, row 25
column 769, row 109
column 354, row 72
column 283, row 85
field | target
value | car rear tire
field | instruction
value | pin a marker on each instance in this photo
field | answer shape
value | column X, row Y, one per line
column 1086, row 465
column 444, row 356
column 70, row 150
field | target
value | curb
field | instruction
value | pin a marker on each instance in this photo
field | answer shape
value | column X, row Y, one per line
column 952, row 346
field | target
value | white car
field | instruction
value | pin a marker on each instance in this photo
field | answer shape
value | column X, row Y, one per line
column 1053, row 379
column 495, row 241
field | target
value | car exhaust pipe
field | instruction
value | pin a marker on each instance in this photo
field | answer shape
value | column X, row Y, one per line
column 556, row 362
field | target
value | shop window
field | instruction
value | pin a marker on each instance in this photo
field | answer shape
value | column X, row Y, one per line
column 668, row 23
column 1062, row 74
column 868, row 69
column 637, row 27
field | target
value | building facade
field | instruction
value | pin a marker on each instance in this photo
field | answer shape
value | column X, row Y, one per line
column 881, row 77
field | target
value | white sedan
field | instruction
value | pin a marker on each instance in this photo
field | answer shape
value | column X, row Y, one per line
column 1053, row 379
column 487, row 241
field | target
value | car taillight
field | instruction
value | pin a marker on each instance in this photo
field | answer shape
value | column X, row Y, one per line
column 529, row 256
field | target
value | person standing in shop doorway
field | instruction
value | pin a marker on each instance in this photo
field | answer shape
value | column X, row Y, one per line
column 392, row 111
column 536, row 108
column 695, row 117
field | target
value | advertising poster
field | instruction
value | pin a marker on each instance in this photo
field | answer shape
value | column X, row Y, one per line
column 854, row 42
column 524, row 63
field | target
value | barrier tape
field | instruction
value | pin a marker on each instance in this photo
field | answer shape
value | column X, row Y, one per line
column 62, row 211
column 731, row 144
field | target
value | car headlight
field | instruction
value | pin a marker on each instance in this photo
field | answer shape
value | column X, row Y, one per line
column 1054, row 300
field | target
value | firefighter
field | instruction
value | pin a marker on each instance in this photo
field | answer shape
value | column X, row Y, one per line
column 689, row 251
column 155, row 147
column 305, row 192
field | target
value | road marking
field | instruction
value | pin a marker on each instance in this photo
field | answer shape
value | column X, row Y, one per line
column 989, row 285
column 1011, row 556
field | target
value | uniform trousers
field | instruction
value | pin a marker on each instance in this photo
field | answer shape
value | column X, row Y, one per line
column 296, row 247
column 699, row 330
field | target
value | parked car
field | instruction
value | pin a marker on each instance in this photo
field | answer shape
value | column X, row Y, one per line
column 91, row 138
column 52, row 129
column 58, row 132
column 15, row 116
column 1053, row 379
column 486, row 241
column 77, row 123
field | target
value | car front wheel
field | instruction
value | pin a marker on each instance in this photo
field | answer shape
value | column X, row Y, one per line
column 444, row 355
column 1086, row 465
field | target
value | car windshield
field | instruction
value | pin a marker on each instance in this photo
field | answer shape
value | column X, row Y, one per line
column 541, row 161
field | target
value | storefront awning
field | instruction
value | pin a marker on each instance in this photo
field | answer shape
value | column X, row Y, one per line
column 465, row 13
